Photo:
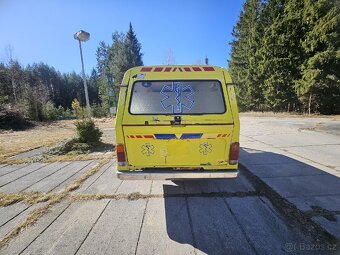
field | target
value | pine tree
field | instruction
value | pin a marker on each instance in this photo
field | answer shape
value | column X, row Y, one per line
column 319, row 87
column 281, row 53
column 133, row 48
column 243, row 62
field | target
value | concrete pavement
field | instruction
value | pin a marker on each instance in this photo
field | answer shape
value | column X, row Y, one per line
column 231, row 216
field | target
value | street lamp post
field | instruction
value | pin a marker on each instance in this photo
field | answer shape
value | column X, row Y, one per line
column 83, row 36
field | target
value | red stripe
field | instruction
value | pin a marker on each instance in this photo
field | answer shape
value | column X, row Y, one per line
column 131, row 136
column 180, row 69
column 167, row 69
column 208, row 68
column 196, row 69
column 146, row 69
column 224, row 135
column 148, row 136
column 218, row 135
column 139, row 136
column 158, row 69
column 187, row 69
column 174, row 69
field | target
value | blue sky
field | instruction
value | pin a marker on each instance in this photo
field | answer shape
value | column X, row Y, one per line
column 42, row 31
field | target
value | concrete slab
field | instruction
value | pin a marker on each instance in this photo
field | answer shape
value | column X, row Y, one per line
column 330, row 153
column 166, row 229
column 128, row 187
column 264, row 229
column 10, row 168
column 12, row 176
column 28, row 180
column 59, row 179
column 7, row 213
column 66, row 234
column 167, row 188
column 31, row 153
column 252, row 157
column 330, row 203
column 239, row 184
column 305, row 186
column 19, row 244
column 214, row 227
column 200, row 186
column 10, row 224
column 107, row 183
column 117, row 230
column 285, row 170
column 297, row 139
column 331, row 226
column 92, row 179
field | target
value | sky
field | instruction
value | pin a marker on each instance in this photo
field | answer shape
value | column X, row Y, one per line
column 42, row 31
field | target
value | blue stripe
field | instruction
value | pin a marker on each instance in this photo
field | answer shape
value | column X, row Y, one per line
column 192, row 136
column 165, row 136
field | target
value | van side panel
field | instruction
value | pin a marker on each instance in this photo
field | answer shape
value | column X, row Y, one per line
column 120, row 114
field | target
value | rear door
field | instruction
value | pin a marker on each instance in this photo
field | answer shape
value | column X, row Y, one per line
column 177, row 122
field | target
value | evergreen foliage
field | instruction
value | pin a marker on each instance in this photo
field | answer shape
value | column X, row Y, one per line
column 285, row 56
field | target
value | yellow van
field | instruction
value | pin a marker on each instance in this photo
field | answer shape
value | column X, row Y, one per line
column 177, row 122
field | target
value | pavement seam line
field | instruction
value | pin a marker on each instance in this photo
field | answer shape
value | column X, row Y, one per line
column 93, row 225
column 58, row 169
column 194, row 241
column 22, row 176
column 70, row 176
column 15, row 216
column 109, row 164
column 48, row 225
column 14, row 170
column 141, row 226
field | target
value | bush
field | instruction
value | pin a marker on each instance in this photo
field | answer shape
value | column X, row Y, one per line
column 98, row 111
column 70, row 146
column 88, row 132
column 79, row 111
column 11, row 118
column 50, row 112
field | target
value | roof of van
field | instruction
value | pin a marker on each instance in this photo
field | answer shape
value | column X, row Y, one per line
column 178, row 68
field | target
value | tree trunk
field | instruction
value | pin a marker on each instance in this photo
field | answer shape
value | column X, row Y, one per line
column 309, row 103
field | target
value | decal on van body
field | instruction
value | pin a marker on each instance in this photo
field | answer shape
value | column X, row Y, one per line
column 180, row 136
column 183, row 96
column 148, row 149
column 205, row 148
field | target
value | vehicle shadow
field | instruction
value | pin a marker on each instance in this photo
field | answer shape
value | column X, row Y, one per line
column 238, row 220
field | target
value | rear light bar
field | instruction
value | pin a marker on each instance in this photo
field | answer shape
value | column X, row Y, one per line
column 233, row 153
column 120, row 151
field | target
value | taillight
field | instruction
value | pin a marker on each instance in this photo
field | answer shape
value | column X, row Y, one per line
column 233, row 153
column 120, row 150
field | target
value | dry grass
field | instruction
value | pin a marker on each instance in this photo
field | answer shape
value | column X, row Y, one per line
column 42, row 135
column 50, row 199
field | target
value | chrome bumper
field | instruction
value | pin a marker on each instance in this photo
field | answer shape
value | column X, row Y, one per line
column 175, row 174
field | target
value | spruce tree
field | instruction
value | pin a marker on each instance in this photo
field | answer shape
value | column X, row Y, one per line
column 319, row 87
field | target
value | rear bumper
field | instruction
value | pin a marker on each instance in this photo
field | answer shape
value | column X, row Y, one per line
column 175, row 174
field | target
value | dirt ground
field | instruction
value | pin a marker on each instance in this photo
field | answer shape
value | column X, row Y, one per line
column 42, row 135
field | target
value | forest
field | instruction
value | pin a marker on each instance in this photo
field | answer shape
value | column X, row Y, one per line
column 285, row 56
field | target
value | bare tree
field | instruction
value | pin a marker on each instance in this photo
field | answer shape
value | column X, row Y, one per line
column 169, row 57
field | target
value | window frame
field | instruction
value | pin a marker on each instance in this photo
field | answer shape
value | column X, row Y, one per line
column 179, row 80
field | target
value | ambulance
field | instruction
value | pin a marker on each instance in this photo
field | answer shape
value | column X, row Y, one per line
column 177, row 122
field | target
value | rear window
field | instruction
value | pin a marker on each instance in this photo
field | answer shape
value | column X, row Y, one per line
column 177, row 97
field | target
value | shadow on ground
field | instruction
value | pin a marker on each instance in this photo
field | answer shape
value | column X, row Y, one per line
column 245, row 222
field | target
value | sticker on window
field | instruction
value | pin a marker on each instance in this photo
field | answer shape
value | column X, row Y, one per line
column 177, row 97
